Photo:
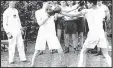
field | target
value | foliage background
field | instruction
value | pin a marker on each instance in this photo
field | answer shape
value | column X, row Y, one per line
column 26, row 12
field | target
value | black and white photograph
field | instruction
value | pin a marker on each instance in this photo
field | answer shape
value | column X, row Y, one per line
column 52, row 33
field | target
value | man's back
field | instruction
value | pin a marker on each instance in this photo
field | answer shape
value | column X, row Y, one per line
column 103, row 8
column 94, row 22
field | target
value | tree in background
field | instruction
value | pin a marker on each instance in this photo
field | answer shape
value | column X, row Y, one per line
column 27, row 16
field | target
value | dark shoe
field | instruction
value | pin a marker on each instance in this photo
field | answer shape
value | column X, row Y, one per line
column 99, row 53
column 66, row 50
column 54, row 51
column 75, row 49
column 25, row 61
column 92, row 51
column 41, row 52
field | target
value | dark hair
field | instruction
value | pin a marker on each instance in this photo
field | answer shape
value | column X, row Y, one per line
column 93, row 1
column 70, row 0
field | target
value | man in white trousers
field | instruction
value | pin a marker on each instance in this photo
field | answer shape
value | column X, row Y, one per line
column 13, row 28
column 104, row 11
column 96, row 34
column 46, row 33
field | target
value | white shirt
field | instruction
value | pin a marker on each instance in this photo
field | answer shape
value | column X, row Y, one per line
column 11, row 21
column 102, row 11
column 49, row 27
column 95, row 22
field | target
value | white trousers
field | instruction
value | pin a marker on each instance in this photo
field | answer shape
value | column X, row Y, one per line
column 49, row 36
column 94, row 39
column 16, row 41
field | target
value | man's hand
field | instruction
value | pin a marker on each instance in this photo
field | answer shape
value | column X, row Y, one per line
column 57, row 9
column 22, row 31
column 50, row 12
column 9, row 35
column 56, row 16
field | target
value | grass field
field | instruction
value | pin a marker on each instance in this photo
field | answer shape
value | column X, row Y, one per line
column 47, row 60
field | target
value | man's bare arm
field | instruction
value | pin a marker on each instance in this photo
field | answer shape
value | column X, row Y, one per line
column 75, row 7
column 72, row 15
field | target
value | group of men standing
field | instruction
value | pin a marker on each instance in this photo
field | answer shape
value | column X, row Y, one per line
column 70, row 29
column 68, row 17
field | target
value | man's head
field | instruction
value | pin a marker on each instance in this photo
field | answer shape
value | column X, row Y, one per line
column 12, row 4
column 55, row 2
column 70, row 2
column 63, row 3
column 99, row 2
column 77, row 2
column 47, row 5
column 91, row 3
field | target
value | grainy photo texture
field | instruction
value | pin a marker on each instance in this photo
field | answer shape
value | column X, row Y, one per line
column 56, row 33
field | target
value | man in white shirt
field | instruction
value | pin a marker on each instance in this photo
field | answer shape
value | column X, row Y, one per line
column 104, row 11
column 46, row 33
column 13, row 28
column 96, row 35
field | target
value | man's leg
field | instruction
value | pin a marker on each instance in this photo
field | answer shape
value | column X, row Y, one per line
column 66, row 39
column 59, row 34
column 59, row 31
column 36, row 53
column 106, row 39
column 55, row 44
column 81, row 39
column 98, row 48
column 83, row 57
column 103, row 44
column 81, row 30
column 12, row 45
column 106, row 55
column 62, row 56
column 39, row 47
column 20, row 47
column 75, row 40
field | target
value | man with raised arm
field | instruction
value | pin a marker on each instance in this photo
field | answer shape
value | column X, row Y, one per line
column 96, row 34
column 46, row 33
